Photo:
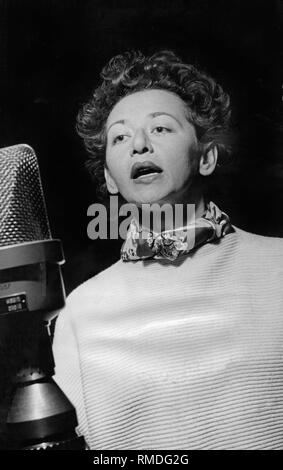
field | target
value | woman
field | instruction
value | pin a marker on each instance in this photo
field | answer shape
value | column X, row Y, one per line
column 179, row 344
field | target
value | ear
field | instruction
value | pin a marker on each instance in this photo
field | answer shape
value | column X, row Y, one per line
column 208, row 160
column 110, row 183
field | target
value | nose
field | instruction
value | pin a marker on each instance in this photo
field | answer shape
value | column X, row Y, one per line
column 141, row 143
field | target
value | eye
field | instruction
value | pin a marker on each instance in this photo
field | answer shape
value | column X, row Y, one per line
column 161, row 130
column 119, row 138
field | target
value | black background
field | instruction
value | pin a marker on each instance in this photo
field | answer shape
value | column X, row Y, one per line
column 51, row 53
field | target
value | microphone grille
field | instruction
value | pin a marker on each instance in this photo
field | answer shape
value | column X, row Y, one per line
column 23, row 216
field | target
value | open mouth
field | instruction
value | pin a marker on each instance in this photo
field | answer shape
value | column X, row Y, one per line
column 144, row 169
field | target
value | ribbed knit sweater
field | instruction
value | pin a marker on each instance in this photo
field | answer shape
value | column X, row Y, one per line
column 179, row 355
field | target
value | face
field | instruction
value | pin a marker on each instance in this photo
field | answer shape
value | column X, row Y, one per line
column 150, row 152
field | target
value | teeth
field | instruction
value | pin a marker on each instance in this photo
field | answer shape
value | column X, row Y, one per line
column 145, row 171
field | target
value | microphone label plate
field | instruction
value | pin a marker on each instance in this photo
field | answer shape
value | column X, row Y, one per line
column 13, row 303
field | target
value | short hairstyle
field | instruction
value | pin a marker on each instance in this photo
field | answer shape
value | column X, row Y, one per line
column 208, row 106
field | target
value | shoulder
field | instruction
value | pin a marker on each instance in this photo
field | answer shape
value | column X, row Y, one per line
column 101, row 280
column 99, row 291
column 258, row 252
column 259, row 243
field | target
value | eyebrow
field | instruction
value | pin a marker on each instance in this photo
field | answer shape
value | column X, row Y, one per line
column 121, row 121
column 152, row 115
column 161, row 113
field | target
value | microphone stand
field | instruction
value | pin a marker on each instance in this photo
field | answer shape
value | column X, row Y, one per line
column 38, row 416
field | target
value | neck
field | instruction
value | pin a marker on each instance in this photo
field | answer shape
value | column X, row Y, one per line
column 159, row 217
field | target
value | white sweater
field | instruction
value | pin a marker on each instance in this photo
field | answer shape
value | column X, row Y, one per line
column 182, row 355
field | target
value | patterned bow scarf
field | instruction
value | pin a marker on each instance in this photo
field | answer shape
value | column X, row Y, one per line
column 170, row 244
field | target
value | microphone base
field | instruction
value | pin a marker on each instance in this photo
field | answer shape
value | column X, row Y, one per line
column 38, row 414
column 75, row 443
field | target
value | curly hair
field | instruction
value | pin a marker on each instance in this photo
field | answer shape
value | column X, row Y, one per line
column 208, row 106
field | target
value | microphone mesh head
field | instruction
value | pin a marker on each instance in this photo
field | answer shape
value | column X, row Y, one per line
column 23, row 216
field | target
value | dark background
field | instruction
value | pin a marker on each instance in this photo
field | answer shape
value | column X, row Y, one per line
column 51, row 53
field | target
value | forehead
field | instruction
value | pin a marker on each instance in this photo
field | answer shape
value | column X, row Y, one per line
column 146, row 102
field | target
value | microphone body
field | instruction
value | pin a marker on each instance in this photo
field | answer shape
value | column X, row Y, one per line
column 34, row 412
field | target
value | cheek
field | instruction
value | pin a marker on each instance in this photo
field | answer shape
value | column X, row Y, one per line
column 116, row 170
column 189, row 153
column 111, row 161
column 183, row 166
column 180, row 159
column 108, row 159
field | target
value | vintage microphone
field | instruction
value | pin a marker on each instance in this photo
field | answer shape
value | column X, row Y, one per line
column 34, row 412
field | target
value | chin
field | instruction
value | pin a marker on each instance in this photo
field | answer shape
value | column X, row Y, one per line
column 150, row 195
column 156, row 199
